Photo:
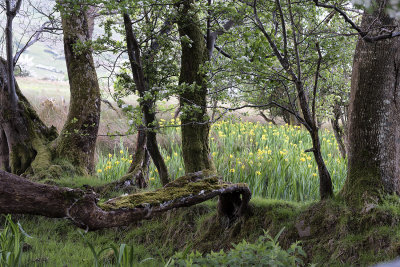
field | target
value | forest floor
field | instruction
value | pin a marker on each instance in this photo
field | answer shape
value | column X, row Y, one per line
column 330, row 233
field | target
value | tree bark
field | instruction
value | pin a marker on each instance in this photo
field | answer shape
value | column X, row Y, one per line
column 138, row 173
column 4, row 152
column 24, row 138
column 18, row 195
column 77, row 139
column 338, row 131
column 140, row 76
column 195, row 126
column 374, row 115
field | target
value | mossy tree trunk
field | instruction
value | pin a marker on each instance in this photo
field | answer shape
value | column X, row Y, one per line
column 141, row 79
column 193, row 97
column 374, row 115
column 4, row 153
column 24, row 138
column 77, row 139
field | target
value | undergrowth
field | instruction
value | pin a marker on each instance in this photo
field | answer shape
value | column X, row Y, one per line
column 331, row 234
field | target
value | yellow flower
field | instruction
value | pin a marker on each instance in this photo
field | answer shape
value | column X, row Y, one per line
column 109, row 155
column 308, row 158
column 108, row 162
column 214, row 154
column 230, row 156
column 251, row 154
column 302, row 159
column 152, row 179
column 314, row 174
column 258, row 173
column 121, row 151
column 156, row 170
column 243, row 167
column 175, row 154
column 329, row 155
column 309, row 166
column 232, row 170
column 269, row 151
column 99, row 170
column 130, row 161
column 180, row 169
column 117, row 162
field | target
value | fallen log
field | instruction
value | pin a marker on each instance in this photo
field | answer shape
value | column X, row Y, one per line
column 21, row 196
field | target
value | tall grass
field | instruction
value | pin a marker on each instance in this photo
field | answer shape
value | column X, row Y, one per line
column 270, row 159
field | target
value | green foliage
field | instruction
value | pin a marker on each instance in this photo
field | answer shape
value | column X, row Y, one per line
column 12, row 237
column 266, row 251
column 123, row 256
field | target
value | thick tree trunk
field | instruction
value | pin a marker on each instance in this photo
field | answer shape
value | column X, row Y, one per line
column 18, row 195
column 193, row 102
column 24, row 137
column 374, row 116
column 77, row 140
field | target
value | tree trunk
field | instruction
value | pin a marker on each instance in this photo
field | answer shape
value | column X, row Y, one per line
column 21, row 196
column 138, row 173
column 77, row 140
column 193, row 102
column 4, row 153
column 374, row 116
column 147, row 105
column 24, row 138
column 338, row 131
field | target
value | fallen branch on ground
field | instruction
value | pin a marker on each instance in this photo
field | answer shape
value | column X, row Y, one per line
column 21, row 196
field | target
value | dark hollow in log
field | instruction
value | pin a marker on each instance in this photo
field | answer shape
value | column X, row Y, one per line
column 20, row 196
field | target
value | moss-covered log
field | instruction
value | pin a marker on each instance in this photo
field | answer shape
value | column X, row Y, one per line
column 18, row 195
column 77, row 139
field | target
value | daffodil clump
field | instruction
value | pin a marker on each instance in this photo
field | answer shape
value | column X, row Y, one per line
column 111, row 167
column 270, row 159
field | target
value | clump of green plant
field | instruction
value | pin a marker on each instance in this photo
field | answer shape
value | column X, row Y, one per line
column 266, row 251
column 12, row 238
column 123, row 256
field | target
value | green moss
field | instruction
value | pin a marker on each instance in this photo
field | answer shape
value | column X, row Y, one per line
column 184, row 186
column 362, row 185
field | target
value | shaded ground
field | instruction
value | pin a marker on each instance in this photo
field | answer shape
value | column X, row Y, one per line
column 330, row 233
